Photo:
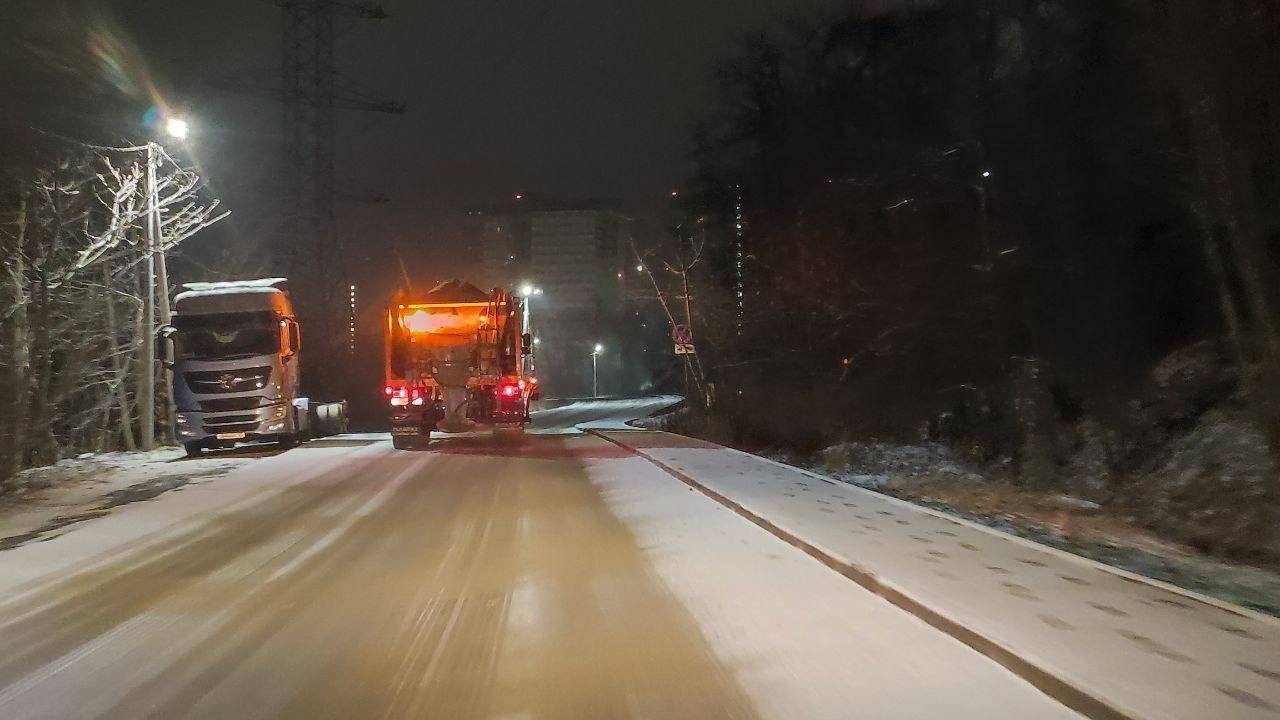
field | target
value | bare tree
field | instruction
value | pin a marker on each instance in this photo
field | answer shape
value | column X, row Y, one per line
column 72, row 245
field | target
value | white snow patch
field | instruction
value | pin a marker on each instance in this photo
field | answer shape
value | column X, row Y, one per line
column 85, row 483
column 803, row 641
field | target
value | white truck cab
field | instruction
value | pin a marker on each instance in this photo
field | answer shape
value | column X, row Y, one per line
column 235, row 371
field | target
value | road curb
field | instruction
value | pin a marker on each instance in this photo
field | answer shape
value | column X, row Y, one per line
column 1043, row 679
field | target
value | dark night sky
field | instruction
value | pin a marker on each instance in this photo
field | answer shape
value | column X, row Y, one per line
column 566, row 98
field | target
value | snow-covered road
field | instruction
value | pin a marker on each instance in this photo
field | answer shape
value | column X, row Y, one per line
column 557, row 576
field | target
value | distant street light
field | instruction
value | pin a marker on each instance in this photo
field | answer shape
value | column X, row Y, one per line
column 527, row 291
column 595, row 354
column 986, row 173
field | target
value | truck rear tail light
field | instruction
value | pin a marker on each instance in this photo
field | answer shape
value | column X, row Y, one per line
column 509, row 390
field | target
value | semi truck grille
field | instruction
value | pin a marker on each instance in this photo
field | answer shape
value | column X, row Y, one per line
column 231, row 423
column 215, row 421
column 205, row 382
column 231, row 427
column 231, row 403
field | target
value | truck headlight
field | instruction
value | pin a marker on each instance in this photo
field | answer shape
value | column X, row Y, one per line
column 279, row 412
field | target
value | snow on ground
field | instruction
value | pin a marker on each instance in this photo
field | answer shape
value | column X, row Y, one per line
column 111, row 522
column 932, row 476
column 55, row 497
column 804, row 642
column 602, row 414
column 1147, row 649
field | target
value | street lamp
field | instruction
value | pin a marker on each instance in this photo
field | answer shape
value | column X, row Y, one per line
column 595, row 354
column 177, row 128
column 527, row 291
column 157, row 281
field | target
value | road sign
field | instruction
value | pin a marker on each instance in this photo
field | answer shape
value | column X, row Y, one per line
column 683, row 338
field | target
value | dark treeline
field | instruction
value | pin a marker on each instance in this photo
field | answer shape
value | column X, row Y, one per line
column 1027, row 228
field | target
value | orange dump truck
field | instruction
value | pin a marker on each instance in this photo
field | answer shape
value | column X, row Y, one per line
column 455, row 360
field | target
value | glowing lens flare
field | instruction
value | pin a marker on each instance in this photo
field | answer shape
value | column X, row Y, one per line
column 177, row 128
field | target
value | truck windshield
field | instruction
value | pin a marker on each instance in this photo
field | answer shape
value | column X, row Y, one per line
column 226, row 336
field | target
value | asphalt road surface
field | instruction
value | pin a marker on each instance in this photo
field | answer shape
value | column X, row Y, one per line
column 553, row 575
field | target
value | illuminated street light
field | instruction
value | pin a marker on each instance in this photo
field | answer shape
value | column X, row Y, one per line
column 986, row 173
column 527, row 291
column 595, row 385
column 157, row 282
column 177, row 128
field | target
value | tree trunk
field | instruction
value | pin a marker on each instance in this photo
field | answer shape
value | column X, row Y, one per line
column 19, row 354
column 119, row 365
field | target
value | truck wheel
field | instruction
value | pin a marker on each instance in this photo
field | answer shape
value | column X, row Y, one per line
column 288, row 442
column 192, row 448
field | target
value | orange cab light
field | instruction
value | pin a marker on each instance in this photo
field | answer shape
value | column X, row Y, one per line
column 418, row 321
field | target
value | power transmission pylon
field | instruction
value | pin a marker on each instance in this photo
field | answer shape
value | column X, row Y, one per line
column 311, row 249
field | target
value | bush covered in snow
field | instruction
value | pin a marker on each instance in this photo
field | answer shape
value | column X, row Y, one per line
column 876, row 464
column 1215, row 490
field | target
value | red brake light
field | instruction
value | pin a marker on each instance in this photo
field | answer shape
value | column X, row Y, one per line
column 509, row 390
column 389, row 391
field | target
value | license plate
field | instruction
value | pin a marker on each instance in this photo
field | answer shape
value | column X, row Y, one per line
column 230, row 436
column 406, row 430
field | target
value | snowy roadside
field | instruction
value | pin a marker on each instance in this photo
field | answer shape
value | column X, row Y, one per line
column 53, row 499
column 1099, row 639
column 931, row 476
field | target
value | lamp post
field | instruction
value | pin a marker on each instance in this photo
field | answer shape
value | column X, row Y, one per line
column 527, row 291
column 595, row 355
column 157, row 282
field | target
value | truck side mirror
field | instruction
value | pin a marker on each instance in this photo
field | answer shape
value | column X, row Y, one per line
column 289, row 338
column 164, row 346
